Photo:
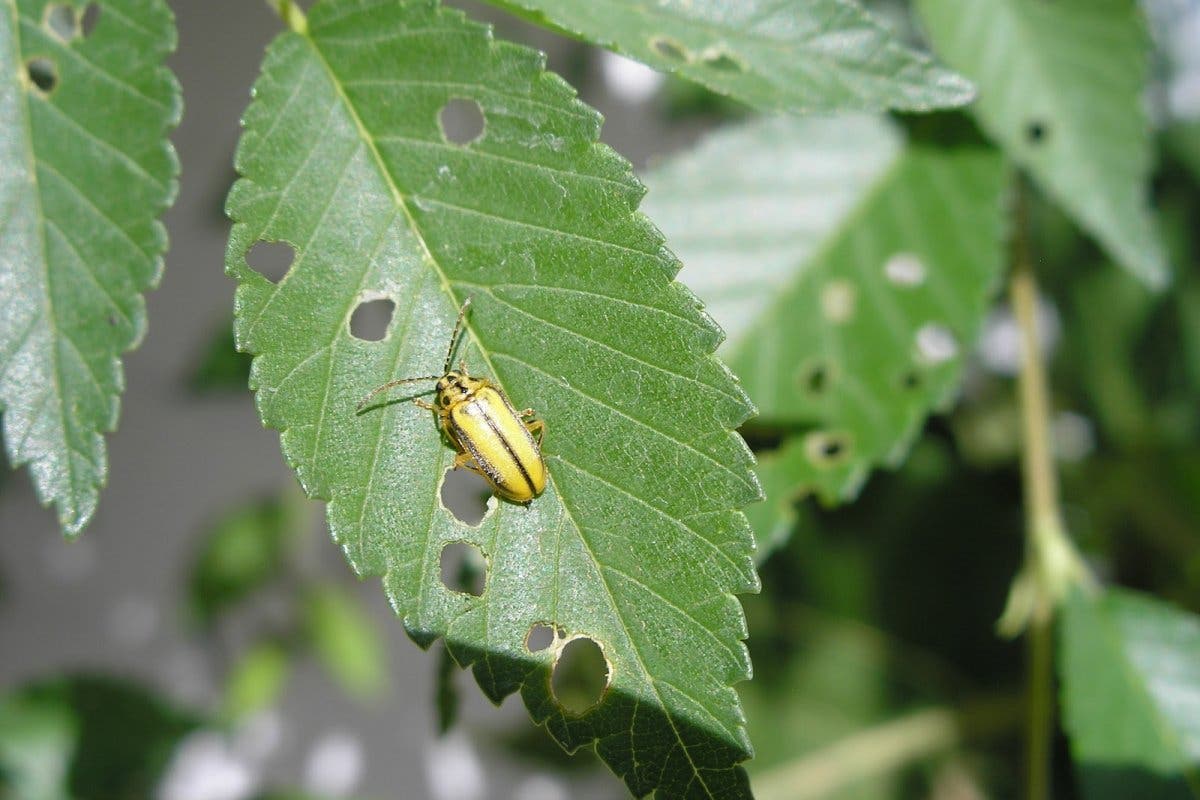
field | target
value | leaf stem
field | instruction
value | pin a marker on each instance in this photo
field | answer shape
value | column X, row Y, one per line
column 1052, row 564
column 291, row 14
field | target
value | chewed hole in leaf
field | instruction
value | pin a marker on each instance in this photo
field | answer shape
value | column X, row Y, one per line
column 42, row 73
column 935, row 343
column 272, row 260
column 464, row 569
column 905, row 269
column 910, row 380
column 581, row 676
column 465, row 494
column 827, row 448
column 722, row 61
column 669, row 48
column 816, row 378
column 540, row 637
column 1036, row 132
column 462, row 121
column 837, row 301
column 62, row 21
column 91, row 15
column 371, row 318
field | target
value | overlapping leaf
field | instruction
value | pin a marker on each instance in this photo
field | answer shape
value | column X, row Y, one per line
column 1131, row 696
column 851, row 268
column 637, row 542
column 1060, row 89
column 789, row 55
column 87, row 169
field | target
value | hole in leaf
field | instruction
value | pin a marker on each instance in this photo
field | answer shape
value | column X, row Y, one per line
column 62, row 21
column 464, row 568
column 837, row 301
column 669, row 48
column 1036, row 132
column 816, row 377
column 371, row 318
column 936, row 343
column 42, row 74
column 581, row 675
column 905, row 269
column 723, row 61
column 272, row 260
column 539, row 638
column 827, row 449
column 462, row 121
column 91, row 15
column 465, row 494
column 910, row 380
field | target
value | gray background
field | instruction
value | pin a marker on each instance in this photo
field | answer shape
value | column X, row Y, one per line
column 112, row 601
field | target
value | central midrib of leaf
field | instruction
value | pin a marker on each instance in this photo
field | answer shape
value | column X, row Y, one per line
column 401, row 202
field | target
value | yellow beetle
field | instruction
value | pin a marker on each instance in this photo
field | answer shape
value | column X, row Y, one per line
column 490, row 436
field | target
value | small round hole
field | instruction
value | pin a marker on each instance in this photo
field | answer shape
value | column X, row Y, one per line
column 826, row 449
column 539, row 638
column 905, row 269
column 62, row 21
column 272, row 260
column 936, row 344
column 91, row 15
column 464, row 568
column 42, row 74
column 462, row 121
column 910, row 380
column 837, row 301
column 669, row 48
column 465, row 495
column 723, row 62
column 581, row 675
column 371, row 318
column 1036, row 132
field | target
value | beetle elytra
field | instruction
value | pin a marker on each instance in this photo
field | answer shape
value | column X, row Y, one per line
column 491, row 437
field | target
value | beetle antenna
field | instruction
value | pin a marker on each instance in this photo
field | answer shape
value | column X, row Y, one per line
column 392, row 384
column 462, row 312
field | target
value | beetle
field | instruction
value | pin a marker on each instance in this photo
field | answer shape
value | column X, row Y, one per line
column 491, row 437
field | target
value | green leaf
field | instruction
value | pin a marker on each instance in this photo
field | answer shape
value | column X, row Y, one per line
column 797, row 55
column 37, row 741
column 1130, row 671
column 637, row 542
column 87, row 171
column 247, row 547
column 257, row 680
column 345, row 641
column 1060, row 89
column 851, row 268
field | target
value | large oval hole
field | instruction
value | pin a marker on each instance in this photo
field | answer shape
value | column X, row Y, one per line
column 581, row 676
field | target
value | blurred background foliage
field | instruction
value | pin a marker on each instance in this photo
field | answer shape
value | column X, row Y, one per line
column 878, row 670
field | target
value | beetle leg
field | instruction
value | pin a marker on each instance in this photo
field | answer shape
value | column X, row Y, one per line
column 466, row 461
column 536, row 428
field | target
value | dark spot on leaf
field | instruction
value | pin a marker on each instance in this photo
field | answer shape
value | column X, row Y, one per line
column 827, row 449
column 112, row 320
column 539, row 638
column 371, row 318
column 581, row 675
column 43, row 74
column 91, row 15
column 465, row 495
column 464, row 568
column 272, row 260
column 462, row 121
column 816, row 378
column 910, row 380
column 1036, row 132
column 669, row 48
column 62, row 21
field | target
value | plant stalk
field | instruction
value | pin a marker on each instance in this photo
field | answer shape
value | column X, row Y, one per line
column 291, row 14
column 1052, row 564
